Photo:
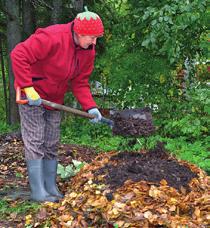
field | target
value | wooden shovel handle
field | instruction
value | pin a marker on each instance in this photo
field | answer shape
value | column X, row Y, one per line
column 62, row 108
column 18, row 97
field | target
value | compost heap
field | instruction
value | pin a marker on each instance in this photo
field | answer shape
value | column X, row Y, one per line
column 133, row 189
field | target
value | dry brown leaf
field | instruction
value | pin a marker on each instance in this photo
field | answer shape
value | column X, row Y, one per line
column 119, row 205
column 102, row 201
column 163, row 182
column 120, row 223
column 148, row 214
column 172, row 208
column 13, row 215
column 154, row 192
column 72, row 195
column 115, row 211
column 62, row 208
column 197, row 212
column 42, row 214
column 138, row 216
column 161, row 210
column 128, row 196
column 65, row 218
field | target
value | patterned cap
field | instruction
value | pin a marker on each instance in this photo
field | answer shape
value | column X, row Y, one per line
column 88, row 23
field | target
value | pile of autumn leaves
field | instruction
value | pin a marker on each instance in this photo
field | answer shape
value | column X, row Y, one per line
column 140, row 204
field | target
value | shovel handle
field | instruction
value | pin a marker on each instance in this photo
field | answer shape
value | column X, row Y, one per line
column 63, row 108
column 18, row 97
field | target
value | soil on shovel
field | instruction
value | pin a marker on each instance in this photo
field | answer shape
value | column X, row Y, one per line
column 153, row 166
column 133, row 122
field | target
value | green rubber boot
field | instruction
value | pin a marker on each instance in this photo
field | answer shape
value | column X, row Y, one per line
column 50, row 174
column 36, row 181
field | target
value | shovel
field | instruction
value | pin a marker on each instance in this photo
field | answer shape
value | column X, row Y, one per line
column 64, row 108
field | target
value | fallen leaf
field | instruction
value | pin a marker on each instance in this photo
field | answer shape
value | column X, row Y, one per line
column 120, row 223
column 62, row 208
column 42, row 214
column 128, row 196
column 13, row 215
column 148, row 214
column 197, row 212
column 163, row 182
column 28, row 219
column 65, row 218
column 172, row 208
column 154, row 192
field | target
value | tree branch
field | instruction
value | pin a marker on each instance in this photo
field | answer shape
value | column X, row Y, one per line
column 41, row 2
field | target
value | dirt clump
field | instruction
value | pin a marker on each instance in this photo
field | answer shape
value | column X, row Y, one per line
column 133, row 122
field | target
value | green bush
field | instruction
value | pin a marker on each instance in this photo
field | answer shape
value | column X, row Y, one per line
column 80, row 131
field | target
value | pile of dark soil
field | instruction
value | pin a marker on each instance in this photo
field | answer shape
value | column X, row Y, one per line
column 133, row 122
column 153, row 166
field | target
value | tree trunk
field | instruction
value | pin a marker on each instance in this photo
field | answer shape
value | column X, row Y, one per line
column 56, row 12
column 13, row 37
column 28, row 18
column 78, row 5
column 2, row 56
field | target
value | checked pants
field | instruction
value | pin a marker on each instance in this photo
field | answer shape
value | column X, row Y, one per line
column 40, row 129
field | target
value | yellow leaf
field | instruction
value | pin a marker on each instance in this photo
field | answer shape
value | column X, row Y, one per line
column 115, row 211
column 98, row 192
column 28, row 219
column 172, row 201
column 197, row 212
column 154, row 192
column 102, row 201
column 73, row 195
column 133, row 203
column 50, row 204
column 73, row 203
column 163, row 182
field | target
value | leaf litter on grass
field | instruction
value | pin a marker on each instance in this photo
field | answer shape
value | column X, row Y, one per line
column 14, row 188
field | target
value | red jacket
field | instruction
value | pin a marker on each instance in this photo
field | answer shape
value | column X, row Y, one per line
column 50, row 61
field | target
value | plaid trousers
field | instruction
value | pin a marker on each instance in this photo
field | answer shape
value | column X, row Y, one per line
column 40, row 129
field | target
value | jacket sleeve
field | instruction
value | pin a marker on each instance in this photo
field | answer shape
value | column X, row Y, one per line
column 35, row 48
column 80, row 86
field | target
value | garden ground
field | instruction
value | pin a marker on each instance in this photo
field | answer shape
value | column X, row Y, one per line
column 126, row 189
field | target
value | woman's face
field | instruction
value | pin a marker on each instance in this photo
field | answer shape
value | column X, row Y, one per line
column 85, row 41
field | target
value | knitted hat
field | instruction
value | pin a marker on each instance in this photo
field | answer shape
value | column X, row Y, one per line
column 88, row 23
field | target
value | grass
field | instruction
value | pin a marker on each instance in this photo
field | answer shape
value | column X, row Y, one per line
column 6, row 128
column 18, row 208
